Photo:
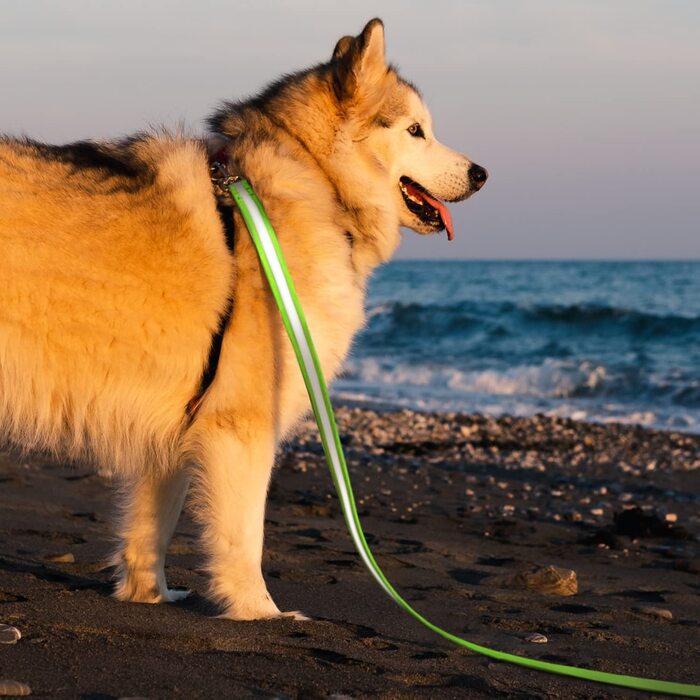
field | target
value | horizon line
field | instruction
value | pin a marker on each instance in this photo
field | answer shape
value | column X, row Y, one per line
column 549, row 260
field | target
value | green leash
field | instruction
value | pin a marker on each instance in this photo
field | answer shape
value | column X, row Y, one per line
column 272, row 260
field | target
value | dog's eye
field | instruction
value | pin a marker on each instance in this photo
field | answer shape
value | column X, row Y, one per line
column 416, row 130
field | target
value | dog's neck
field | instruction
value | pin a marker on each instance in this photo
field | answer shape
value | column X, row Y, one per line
column 369, row 217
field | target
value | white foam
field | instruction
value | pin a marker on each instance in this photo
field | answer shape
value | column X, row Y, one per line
column 553, row 388
column 553, row 378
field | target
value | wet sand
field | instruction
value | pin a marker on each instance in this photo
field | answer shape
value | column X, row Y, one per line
column 463, row 513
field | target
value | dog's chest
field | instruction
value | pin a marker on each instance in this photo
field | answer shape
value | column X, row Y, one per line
column 334, row 314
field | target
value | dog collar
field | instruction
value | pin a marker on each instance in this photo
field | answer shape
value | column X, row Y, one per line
column 222, row 180
column 219, row 173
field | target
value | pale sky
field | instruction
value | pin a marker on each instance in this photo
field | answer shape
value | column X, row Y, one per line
column 585, row 112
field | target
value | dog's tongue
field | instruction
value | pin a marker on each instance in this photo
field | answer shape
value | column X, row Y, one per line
column 436, row 204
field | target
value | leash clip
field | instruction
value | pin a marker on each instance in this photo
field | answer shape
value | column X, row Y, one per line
column 221, row 177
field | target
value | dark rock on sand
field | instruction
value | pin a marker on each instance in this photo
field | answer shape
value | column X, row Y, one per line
column 634, row 522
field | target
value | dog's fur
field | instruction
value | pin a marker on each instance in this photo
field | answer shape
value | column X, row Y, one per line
column 115, row 274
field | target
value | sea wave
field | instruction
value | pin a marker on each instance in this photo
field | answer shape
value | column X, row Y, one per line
column 455, row 318
column 588, row 340
column 550, row 379
column 640, row 323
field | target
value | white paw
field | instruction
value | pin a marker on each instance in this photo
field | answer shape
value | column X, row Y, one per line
column 147, row 594
column 172, row 595
column 295, row 615
column 251, row 615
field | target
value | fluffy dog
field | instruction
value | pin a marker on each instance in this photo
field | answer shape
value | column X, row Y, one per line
column 119, row 296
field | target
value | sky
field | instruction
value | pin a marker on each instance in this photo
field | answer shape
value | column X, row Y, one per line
column 585, row 112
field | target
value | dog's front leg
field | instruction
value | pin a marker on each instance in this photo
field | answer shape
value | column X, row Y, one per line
column 150, row 508
column 230, row 494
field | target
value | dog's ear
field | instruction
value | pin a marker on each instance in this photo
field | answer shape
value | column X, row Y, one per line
column 341, row 48
column 359, row 63
column 370, row 63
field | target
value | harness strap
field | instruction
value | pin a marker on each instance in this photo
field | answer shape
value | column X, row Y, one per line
column 219, row 161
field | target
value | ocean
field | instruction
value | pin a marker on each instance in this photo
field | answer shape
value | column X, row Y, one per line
column 594, row 341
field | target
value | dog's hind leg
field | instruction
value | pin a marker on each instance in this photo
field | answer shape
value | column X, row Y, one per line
column 230, row 492
column 150, row 510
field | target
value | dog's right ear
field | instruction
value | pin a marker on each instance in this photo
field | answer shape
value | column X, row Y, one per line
column 358, row 62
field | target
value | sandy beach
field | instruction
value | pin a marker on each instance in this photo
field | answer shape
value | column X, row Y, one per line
column 465, row 514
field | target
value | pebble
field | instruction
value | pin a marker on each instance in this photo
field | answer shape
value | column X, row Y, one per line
column 536, row 638
column 692, row 566
column 9, row 634
column 14, row 688
column 66, row 558
column 660, row 613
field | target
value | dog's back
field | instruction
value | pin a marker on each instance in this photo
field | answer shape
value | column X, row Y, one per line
column 114, row 273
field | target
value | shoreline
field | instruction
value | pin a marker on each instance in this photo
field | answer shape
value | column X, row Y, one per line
column 383, row 407
column 459, row 510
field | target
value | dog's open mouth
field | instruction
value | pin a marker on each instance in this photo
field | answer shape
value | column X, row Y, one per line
column 427, row 208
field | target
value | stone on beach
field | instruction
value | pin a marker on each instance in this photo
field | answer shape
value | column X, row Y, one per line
column 14, row 688
column 636, row 522
column 9, row 634
column 67, row 558
column 659, row 613
column 550, row 580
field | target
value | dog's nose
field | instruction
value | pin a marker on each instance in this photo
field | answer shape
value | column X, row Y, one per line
column 477, row 176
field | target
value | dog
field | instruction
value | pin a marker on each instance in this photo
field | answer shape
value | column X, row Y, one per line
column 137, row 330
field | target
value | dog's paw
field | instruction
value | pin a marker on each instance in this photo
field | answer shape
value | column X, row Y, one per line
column 295, row 615
column 173, row 595
column 149, row 595
column 249, row 616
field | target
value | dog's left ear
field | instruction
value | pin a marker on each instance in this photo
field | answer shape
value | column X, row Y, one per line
column 342, row 47
column 359, row 62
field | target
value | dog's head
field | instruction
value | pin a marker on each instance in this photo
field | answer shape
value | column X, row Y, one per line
column 389, row 124
column 371, row 134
